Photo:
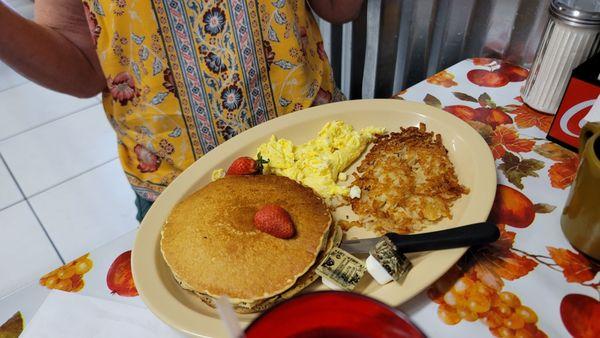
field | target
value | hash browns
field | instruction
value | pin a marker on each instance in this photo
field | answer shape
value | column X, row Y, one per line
column 406, row 182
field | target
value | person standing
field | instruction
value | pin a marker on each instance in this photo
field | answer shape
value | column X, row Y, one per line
column 178, row 77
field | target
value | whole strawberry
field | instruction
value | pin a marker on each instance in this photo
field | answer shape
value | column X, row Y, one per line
column 246, row 166
column 275, row 221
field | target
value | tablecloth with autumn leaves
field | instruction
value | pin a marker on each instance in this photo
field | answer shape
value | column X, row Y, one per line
column 530, row 283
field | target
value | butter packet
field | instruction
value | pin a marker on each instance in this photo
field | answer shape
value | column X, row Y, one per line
column 394, row 262
column 341, row 268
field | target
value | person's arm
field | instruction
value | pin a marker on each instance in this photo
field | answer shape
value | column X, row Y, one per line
column 56, row 51
column 336, row 11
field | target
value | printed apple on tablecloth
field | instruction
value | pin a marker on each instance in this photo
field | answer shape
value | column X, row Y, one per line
column 119, row 278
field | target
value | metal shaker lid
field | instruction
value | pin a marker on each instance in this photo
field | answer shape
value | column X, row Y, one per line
column 582, row 13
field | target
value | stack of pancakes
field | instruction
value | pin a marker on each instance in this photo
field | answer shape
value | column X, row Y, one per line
column 213, row 249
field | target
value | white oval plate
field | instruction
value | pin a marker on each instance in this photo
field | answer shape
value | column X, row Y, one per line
column 470, row 154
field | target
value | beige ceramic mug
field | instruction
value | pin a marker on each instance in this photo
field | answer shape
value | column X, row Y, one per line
column 580, row 220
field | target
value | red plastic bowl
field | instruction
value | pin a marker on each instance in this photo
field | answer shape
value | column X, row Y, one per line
column 332, row 314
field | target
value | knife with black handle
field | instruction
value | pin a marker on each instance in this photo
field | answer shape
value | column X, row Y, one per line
column 467, row 235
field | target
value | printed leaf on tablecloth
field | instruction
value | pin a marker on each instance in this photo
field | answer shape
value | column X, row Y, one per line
column 68, row 277
column 554, row 152
column 579, row 314
column 443, row 78
column 527, row 118
column 543, row 208
column 432, row 101
column 515, row 169
column 576, row 267
column 563, row 173
column 483, row 129
column 504, row 138
column 13, row 327
column 464, row 97
column 486, row 101
column 509, row 108
column 496, row 261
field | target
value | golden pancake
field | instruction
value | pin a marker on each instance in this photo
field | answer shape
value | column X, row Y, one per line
column 212, row 247
column 334, row 240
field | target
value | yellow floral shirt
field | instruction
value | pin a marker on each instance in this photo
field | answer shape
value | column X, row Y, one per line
column 185, row 75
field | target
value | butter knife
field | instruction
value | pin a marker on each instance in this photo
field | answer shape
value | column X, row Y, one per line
column 467, row 235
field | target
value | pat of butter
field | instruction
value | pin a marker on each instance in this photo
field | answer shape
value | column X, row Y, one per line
column 331, row 284
column 354, row 192
column 342, row 177
column 377, row 271
column 216, row 174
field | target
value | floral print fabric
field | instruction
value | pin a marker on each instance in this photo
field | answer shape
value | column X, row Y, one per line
column 184, row 76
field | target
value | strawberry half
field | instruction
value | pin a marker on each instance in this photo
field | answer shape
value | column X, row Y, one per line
column 242, row 166
column 275, row 221
column 246, row 166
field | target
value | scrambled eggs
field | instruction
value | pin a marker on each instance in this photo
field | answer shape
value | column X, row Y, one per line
column 319, row 162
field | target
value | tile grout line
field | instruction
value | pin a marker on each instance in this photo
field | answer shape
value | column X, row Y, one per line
column 12, row 204
column 70, row 178
column 13, row 86
column 16, row 85
column 32, row 210
column 45, row 231
column 48, row 122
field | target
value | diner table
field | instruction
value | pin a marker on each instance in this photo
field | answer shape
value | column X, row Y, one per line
column 530, row 283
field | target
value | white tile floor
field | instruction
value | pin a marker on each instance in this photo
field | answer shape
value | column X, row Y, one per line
column 62, row 191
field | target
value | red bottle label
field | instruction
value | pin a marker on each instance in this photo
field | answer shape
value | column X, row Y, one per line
column 577, row 102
